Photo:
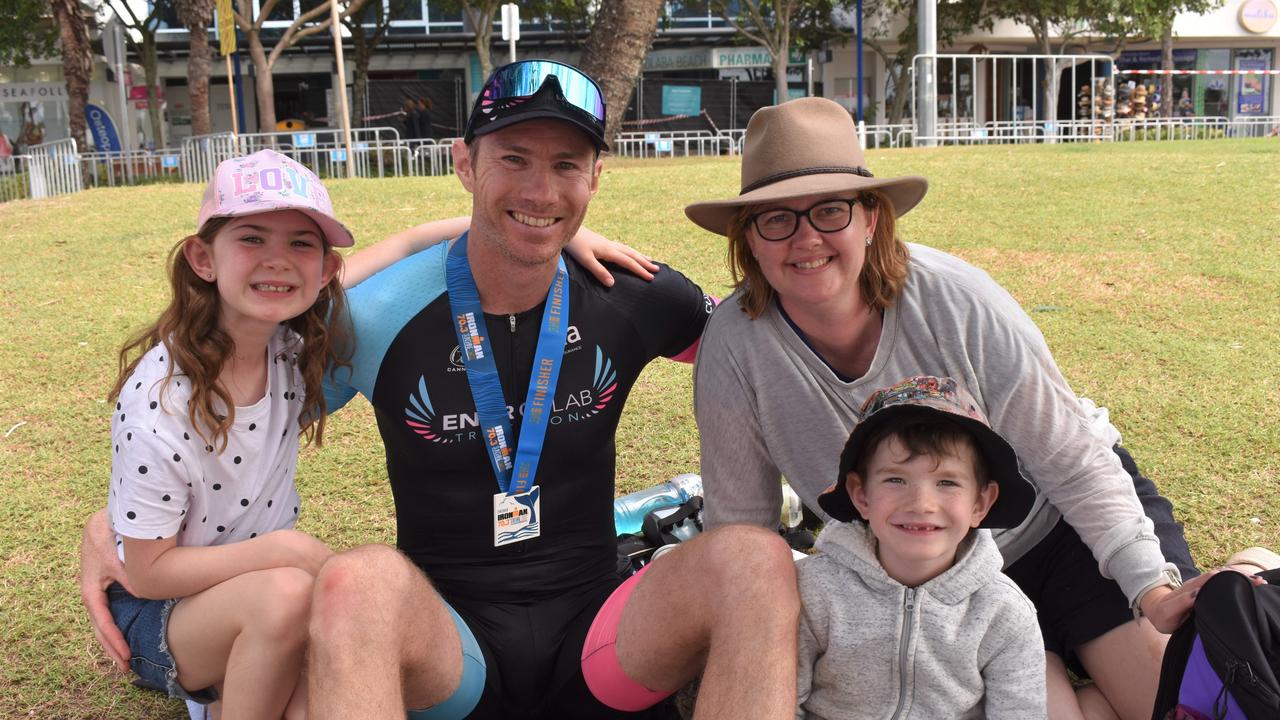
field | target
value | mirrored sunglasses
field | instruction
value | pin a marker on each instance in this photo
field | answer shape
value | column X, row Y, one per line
column 521, row 80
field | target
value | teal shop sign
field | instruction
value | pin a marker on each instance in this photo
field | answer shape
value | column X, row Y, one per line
column 681, row 100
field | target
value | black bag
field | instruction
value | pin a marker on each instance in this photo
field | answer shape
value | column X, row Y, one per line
column 1223, row 663
column 667, row 525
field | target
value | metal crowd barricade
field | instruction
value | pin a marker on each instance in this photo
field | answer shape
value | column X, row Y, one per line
column 883, row 135
column 15, row 178
column 54, row 169
column 323, row 150
column 108, row 169
column 200, row 155
column 429, row 157
column 673, row 143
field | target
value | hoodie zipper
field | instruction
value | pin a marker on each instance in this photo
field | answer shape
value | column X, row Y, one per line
column 908, row 613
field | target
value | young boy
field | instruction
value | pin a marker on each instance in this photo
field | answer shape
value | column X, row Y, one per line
column 906, row 613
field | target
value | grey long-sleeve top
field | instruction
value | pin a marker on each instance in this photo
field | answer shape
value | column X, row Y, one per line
column 767, row 406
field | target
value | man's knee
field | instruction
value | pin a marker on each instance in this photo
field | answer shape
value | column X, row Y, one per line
column 352, row 582
column 745, row 558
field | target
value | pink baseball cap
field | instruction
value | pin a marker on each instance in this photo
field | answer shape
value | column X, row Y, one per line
column 267, row 181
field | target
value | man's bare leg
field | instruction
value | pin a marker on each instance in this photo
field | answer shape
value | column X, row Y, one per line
column 726, row 601
column 382, row 639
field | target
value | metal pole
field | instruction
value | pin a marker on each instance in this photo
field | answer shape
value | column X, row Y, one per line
column 861, row 115
column 126, row 128
column 231, row 94
column 926, row 90
column 341, row 90
column 239, row 84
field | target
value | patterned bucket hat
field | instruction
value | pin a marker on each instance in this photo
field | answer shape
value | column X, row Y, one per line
column 941, row 395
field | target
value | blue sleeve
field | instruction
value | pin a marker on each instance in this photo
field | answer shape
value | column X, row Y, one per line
column 380, row 307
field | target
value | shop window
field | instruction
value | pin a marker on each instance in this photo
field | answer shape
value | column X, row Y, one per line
column 698, row 14
column 1210, row 94
column 1251, row 91
column 410, row 10
column 442, row 18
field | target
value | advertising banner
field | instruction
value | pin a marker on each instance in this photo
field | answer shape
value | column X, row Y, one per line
column 105, row 137
column 1251, row 90
column 681, row 100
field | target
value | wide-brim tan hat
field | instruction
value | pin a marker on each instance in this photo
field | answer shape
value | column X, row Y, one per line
column 803, row 147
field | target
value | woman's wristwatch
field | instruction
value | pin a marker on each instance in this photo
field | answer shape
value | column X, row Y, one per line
column 1169, row 577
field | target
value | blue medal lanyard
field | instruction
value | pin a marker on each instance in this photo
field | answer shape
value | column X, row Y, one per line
column 482, row 371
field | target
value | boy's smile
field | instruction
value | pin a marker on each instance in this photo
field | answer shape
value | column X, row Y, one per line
column 920, row 508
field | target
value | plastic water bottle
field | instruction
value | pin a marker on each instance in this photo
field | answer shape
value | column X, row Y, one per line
column 792, row 507
column 629, row 510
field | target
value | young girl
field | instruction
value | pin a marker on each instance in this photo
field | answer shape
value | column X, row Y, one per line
column 205, row 437
column 206, row 432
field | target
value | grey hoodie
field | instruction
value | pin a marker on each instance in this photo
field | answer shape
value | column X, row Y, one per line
column 966, row 644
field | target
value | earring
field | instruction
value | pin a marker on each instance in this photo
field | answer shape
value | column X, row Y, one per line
column 868, row 240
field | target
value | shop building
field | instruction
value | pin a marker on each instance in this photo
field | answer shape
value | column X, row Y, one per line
column 696, row 77
column 1240, row 35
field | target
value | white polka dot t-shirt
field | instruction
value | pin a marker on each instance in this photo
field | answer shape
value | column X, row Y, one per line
column 166, row 480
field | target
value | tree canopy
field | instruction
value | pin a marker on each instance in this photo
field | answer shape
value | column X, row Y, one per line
column 27, row 33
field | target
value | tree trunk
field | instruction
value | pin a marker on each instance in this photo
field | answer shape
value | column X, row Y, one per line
column 780, row 75
column 1049, row 86
column 196, row 16
column 198, row 82
column 480, row 16
column 484, row 51
column 77, row 63
column 360, row 77
column 264, row 88
column 615, row 50
column 152, row 75
column 1166, row 64
column 782, row 53
column 901, row 94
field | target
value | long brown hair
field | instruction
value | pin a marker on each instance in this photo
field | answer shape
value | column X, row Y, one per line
column 188, row 328
column 884, row 271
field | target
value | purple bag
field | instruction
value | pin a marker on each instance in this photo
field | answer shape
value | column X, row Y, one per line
column 1222, row 664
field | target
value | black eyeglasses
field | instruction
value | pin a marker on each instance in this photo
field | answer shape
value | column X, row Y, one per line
column 827, row 216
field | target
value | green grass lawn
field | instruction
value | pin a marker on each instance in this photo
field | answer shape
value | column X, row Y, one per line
column 1153, row 270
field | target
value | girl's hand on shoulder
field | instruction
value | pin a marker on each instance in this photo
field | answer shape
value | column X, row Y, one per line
column 294, row 548
column 592, row 250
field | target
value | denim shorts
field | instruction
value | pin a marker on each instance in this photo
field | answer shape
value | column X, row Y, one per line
column 145, row 625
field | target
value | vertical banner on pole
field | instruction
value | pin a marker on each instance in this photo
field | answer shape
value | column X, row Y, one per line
column 227, row 46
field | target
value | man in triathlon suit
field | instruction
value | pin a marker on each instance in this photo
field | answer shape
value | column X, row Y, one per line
column 498, row 369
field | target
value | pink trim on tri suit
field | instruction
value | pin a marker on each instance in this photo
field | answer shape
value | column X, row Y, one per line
column 600, row 667
column 690, row 353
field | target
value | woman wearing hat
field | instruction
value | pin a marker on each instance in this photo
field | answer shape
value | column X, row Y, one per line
column 831, row 305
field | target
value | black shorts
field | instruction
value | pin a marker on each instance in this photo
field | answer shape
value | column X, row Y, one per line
column 1074, row 602
column 533, row 653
